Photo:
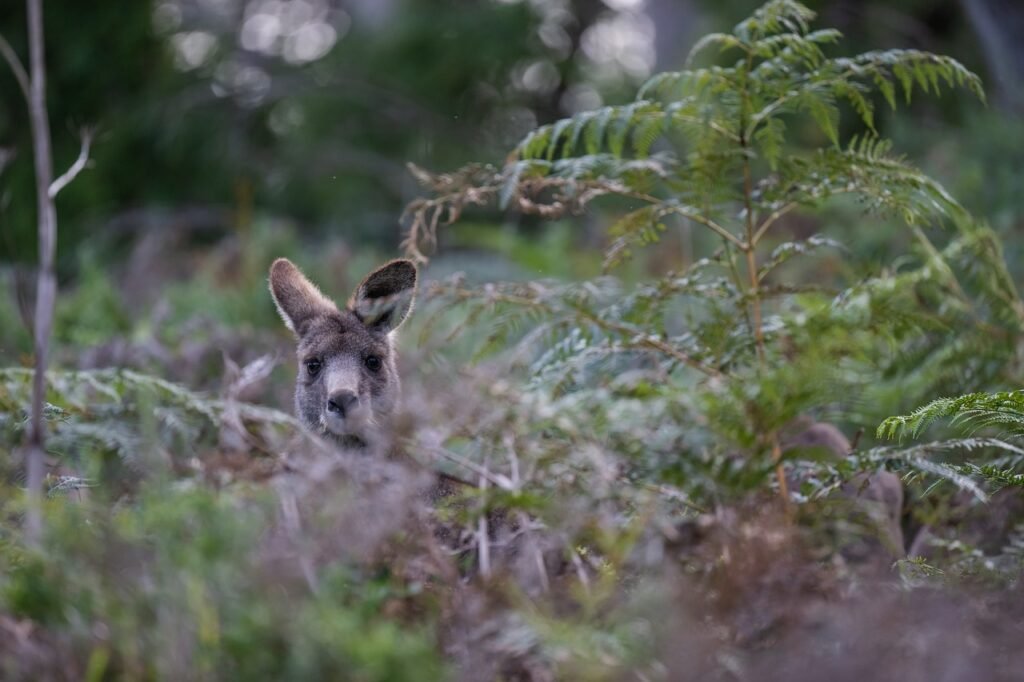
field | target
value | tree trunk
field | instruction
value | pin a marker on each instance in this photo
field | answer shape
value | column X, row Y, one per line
column 46, row 291
column 999, row 25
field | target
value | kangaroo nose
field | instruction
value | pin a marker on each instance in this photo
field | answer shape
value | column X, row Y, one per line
column 342, row 402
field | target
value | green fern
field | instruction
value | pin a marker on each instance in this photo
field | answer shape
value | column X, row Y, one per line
column 744, row 350
column 712, row 126
column 130, row 416
column 1003, row 411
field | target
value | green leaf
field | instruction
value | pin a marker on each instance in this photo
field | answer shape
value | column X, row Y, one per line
column 770, row 138
column 825, row 113
column 597, row 126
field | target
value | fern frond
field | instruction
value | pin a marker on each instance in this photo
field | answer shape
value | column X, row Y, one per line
column 637, row 228
column 978, row 255
column 723, row 41
column 912, row 68
column 689, row 85
column 915, row 460
column 127, row 413
column 866, row 168
column 789, row 82
column 774, row 17
column 996, row 476
column 1003, row 410
column 607, row 128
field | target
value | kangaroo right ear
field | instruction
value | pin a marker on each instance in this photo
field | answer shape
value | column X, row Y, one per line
column 384, row 299
column 297, row 299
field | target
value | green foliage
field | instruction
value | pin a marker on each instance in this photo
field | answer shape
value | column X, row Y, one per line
column 623, row 431
column 323, row 141
column 179, row 584
column 717, row 119
column 999, row 462
column 117, row 422
column 737, row 350
column 172, row 570
column 1003, row 411
column 93, row 313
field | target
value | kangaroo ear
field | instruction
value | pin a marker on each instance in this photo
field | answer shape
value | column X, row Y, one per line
column 385, row 297
column 297, row 299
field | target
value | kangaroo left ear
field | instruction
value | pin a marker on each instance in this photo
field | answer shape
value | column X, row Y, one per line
column 385, row 297
column 297, row 299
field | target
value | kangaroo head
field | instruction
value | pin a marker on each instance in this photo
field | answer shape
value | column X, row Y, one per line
column 347, row 375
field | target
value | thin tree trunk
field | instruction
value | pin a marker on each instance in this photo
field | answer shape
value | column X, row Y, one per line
column 46, row 291
column 998, row 25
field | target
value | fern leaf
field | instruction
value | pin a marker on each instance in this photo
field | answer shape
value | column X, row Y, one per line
column 723, row 41
column 557, row 130
column 825, row 113
column 770, row 138
column 974, row 410
column 773, row 17
column 594, row 133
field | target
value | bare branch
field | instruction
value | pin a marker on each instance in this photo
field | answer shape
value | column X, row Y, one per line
column 77, row 167
column 11, row 57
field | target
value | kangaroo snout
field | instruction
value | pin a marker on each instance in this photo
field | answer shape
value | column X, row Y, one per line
column 342, row 402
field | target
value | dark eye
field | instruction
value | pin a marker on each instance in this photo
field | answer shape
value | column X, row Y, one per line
column 313, row 367
column 373, row 363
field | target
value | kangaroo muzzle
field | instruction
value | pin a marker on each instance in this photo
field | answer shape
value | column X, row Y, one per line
column 344, row 412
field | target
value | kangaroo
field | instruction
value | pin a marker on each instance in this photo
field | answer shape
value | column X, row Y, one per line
column 348, row 381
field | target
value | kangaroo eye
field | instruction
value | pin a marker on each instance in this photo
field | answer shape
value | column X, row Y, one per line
column 373, row 363
column 313, row 367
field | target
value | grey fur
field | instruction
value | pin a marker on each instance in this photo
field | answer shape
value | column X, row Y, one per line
column 876, row 495
column 347, row 383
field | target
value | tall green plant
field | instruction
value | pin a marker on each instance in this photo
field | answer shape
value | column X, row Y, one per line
column 709, row 145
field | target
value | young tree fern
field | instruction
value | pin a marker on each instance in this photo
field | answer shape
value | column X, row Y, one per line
column 708, row 145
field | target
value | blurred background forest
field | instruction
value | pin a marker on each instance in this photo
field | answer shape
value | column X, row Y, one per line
column 232, row 132
column 228, row 131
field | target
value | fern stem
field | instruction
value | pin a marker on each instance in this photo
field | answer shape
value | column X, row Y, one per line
column 748, row 250
column 748, row 190
column 780, row 473
column 755, row 295
column 770, row 220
